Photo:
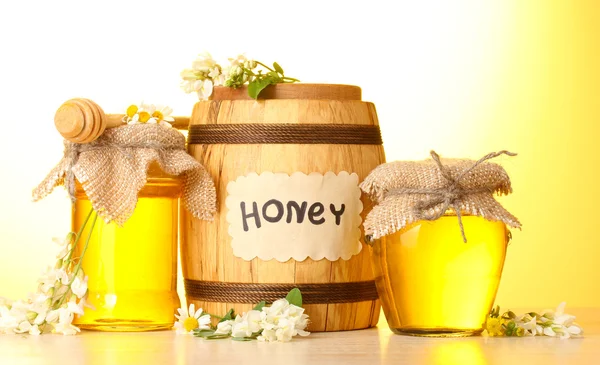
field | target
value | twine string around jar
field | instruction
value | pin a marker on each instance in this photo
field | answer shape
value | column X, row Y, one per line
column 449, row 196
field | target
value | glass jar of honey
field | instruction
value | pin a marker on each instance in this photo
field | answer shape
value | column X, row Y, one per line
column 431, row 283
column 132, row 269
column 431, row 279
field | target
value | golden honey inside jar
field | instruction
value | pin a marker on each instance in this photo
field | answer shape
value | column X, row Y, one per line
column 132, row 270
column 432, row 283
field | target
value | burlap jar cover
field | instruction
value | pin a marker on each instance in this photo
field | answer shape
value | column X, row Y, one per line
column 112, row 170
column 408, row 191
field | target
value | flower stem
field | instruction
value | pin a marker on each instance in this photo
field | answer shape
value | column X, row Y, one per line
column 265, row 66
column 78, row 234
column 87, row 241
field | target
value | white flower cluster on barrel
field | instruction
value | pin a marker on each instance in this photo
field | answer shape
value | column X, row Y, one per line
column 206, row 73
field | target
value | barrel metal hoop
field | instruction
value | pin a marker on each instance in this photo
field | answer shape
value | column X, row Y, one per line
column 251, row 293
column 284, row 133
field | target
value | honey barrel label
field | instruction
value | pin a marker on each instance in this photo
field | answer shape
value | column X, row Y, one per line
column 280, row 216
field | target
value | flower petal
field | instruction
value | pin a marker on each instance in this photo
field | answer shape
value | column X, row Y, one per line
column 560, row 310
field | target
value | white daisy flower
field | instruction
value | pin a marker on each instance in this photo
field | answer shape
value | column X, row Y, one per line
column 189, row 320
column 162, row 116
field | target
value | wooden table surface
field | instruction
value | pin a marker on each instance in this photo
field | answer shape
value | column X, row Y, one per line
column 373, row 346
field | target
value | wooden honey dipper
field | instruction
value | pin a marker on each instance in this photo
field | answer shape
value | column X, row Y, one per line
column 81, row 120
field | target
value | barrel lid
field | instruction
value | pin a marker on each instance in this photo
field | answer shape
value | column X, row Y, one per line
column 292, row 91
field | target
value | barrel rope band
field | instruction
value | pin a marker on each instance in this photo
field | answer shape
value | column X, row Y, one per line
column 284, row 133
column 251, row 293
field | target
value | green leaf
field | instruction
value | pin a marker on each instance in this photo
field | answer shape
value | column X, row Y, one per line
column 242, row 338
column 294, row 297
column 228, row 316
column 259, row 306
column 217, row 337
column 254, row 89
column 258, row 85
column 277, row 68
column 204, row 333
column 274, row 76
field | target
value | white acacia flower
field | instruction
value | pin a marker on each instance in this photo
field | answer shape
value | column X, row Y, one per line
column 39, row 305
column 271, row 315
column 222, row 77
column 530, row 326
column 235, row 71
column 561, row 318
column 66, row 329
column 79, row 287
column 19, row 311
column 189, row 75
column 35, row 330
column 26, row 327
column 214, row 72
column 250, row 64
column 548, row 331
column 187, row 86
column 64, row 325
column 285, row 330
column 267, row 335
column 239, row 60
column 64, row 244
column 40, row 318
column 240, row 327
column 204, row 62
column 224, row 328
column 247, row 324
column 574, row 330
column 52, row 316
column 47, row 280
column 73, row 307
column 8, row 322
column 189, row 320
column 253, row 319
column 205, row 90
column 282, row 321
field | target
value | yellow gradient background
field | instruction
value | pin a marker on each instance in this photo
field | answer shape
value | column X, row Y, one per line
column 462, row 77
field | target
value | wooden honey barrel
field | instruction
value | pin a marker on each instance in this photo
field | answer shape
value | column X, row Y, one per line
column 292, row 129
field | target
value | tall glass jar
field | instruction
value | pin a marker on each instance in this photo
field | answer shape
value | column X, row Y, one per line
column 132, row 270
column 431, row 283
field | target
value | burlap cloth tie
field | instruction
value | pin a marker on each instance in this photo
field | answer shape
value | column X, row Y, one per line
column 112, row 170
column 408, row 191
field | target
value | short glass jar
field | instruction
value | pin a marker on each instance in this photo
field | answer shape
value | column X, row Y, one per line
column 132, row 270
column 432, row 283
